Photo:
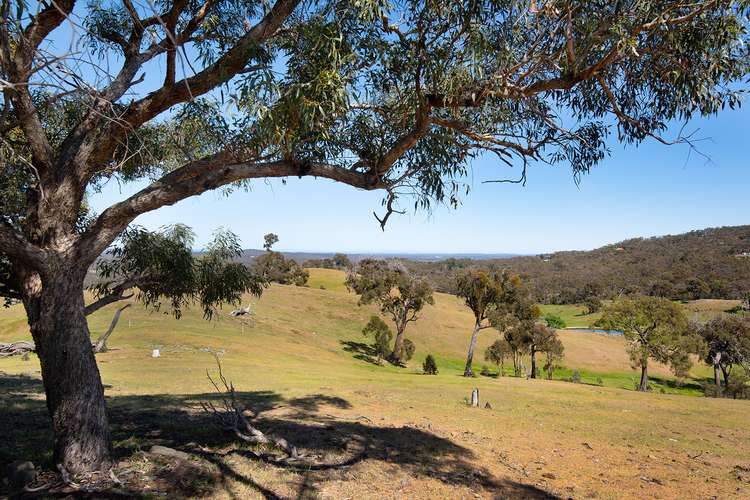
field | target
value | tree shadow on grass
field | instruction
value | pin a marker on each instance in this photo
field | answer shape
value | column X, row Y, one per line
column 220, row 461
column 694, row 384
column 361, row 351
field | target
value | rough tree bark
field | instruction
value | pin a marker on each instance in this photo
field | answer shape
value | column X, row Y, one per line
column 72, row 384
column 533, row 362
column 468, row 372
column 643, row 386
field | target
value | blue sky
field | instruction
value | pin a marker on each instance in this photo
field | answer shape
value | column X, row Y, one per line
column 644, row 191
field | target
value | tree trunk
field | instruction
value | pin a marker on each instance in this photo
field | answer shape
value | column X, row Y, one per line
column 75, row 395
column 725, row 371
column 533, row 363
column 717, row 379
column 468, row 372
column 398, row 345
column 643, row 387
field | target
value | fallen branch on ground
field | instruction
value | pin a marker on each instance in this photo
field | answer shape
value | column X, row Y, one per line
column 24, row 347
column 230, row 415
column 16, row 348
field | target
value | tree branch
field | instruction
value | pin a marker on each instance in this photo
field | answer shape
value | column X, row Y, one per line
column 198, row 177
column 15, row 246
column 221, row 71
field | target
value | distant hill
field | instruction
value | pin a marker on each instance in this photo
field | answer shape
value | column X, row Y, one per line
column 709, row 263
column 300, row 257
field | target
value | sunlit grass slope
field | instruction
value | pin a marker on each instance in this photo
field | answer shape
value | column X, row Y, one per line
column 589, row 441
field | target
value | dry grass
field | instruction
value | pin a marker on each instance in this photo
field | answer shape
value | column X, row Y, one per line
column 397, row 433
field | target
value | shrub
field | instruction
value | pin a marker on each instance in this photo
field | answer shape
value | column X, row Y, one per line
column 407, row 351
column 554, row 321
column 381, row 335
column 593, row 305
column 322, row 287
column 576, row 377
column 599, row 381
column 738, row 387
column 429, row 367
column 485, row 371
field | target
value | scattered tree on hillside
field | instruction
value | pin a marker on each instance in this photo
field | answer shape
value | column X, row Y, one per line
column 269, row 241
column 497, row 299
column 592, row 304
column 276, row 268
column 341, row 261
column 429, row 367
column 497, row 352
column 554, row 321
column 516, row 338
column 381, row 337
column 554, row 352
column 541, row 339
column 655, row 328
column 397, row 293
column 481, row 291
column 380, row 96
column 726, row 344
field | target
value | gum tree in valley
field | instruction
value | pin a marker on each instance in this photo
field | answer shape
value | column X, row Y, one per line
column 188, row 97
column 397, row 293
column 725, row 344
column 655, row 328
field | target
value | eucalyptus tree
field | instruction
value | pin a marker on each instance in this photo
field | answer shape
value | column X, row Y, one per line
column 497, row 299
column 726, row 344
column 540, row 339
column 399, row 295
column 187, row 97
column 655, row 328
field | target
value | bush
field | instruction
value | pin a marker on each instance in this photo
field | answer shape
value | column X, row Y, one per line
column 407, row 351
column 485, row 371
column 593, row 305
column 381, row 335
column 738, row 387
column 599, row 381
column 554, row 321
column 576, row 377
column 429, row 367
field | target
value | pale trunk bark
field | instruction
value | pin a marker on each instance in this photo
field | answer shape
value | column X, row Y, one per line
column 398, row 345
column 75, row 395
column 468, row 372
column 643, row 387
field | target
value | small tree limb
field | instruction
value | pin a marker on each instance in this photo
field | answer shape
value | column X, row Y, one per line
column 101, row 344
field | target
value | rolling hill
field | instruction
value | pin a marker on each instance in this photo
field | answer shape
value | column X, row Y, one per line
column 710, row 263
column 386, row 431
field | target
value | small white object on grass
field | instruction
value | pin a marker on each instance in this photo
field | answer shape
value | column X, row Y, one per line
column 155, row 353
column 475, row 398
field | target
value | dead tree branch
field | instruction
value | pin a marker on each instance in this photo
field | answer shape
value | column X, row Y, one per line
column 230, row 416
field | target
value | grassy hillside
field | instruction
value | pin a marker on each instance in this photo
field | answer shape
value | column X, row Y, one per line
column 397, row 432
